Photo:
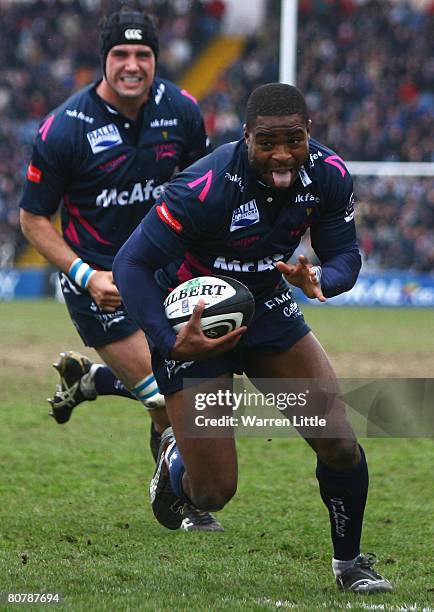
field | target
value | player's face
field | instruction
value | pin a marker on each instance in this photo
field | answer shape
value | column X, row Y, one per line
column 130, row 70
column 277, row 148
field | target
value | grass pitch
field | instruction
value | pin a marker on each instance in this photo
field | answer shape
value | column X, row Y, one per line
column 75, row 519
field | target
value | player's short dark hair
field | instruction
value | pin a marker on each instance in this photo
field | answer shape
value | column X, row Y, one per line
column 275, row 99
column 127, row 27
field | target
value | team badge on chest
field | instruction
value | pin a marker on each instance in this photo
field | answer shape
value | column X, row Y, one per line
column 246, row 214
column 103, row 138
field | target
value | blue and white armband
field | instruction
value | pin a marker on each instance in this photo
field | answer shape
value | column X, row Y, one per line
column 318, row 273
column 80, row 272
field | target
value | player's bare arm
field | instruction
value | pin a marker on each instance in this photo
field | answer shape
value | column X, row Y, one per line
column 42, row 234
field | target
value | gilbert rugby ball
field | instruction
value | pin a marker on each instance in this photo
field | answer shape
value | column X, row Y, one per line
column 228, row 304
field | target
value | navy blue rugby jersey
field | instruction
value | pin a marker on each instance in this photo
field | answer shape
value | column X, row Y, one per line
column 108, row 170
column 217, row 218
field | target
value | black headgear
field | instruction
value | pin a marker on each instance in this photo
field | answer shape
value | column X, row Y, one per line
column 127, row 28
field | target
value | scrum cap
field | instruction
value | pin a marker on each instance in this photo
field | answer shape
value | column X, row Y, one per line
column 127, row 28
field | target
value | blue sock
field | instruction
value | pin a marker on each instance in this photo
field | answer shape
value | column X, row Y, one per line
column 106, row 383
column 344, row 492
column 176, row 472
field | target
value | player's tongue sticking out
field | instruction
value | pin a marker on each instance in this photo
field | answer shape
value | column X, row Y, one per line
column 282, row 178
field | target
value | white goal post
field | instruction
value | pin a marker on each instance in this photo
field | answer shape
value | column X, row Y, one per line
column 385, row 168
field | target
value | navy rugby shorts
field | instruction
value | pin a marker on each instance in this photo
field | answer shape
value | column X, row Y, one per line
column 278, row 324
column 96, row 327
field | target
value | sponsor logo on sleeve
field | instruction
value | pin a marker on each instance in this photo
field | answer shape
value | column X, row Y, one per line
column 349, row 211
column 166, row 217
column 104, row 138
column 34, row 174
column 247, row 214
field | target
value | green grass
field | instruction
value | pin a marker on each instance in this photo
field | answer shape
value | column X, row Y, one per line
column 74, row 515
column 383, row 330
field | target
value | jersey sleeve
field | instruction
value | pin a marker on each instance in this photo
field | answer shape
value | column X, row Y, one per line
column 198, row 143
column 47, row 173
column 133, row 271
column 335, row 231
column 182, row 213
column 177, row 219
column 334, row 235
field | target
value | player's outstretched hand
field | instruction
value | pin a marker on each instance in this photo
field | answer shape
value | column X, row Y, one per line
column 302, row 275
column 192, row 344
column 103, row 290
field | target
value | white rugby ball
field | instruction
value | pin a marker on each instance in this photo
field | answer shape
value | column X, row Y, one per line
column 228, row 304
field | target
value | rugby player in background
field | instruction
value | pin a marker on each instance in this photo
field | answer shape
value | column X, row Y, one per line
column 105, row 155
column 279, row 181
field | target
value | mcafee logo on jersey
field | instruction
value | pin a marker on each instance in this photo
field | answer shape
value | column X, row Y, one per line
column 103, row 138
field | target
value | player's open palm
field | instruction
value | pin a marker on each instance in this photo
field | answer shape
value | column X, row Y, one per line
column 103, row 290
column 192, row 344
column 303, row 276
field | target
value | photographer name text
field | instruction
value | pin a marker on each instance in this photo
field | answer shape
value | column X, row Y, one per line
column 255, row 421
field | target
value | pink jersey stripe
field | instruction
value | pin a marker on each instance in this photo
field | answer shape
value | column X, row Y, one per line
column 71, row 233
column 43, row 130
column 207, row 178
column 73, row 211
column 337, row 162
column 189, row 95
column 197, row 265
column 184, row 273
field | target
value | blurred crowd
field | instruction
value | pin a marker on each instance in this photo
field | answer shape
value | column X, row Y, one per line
column 395, row 224
column 365, row 66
